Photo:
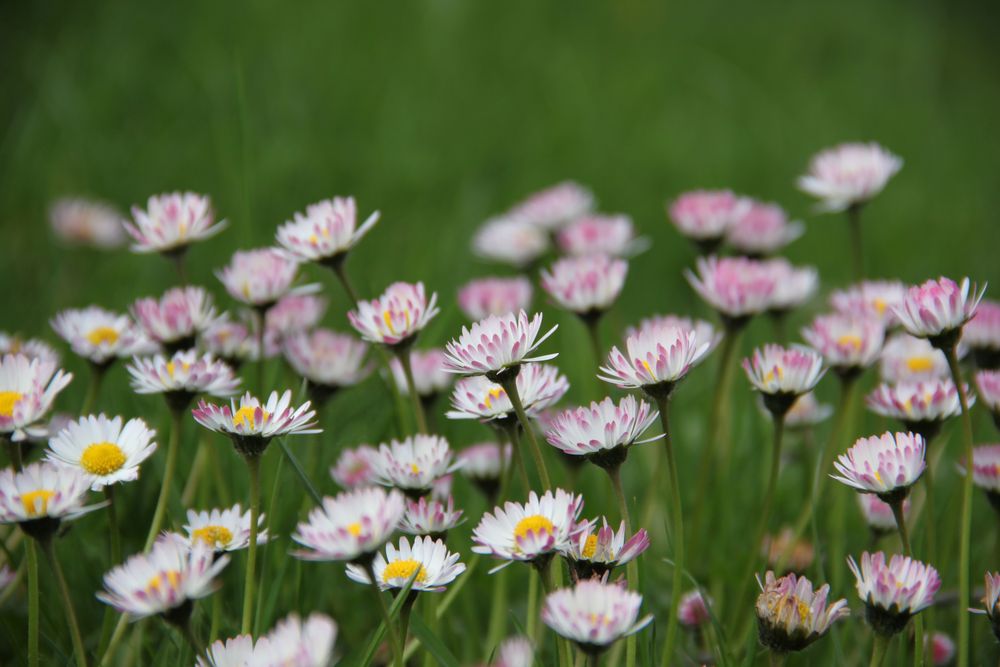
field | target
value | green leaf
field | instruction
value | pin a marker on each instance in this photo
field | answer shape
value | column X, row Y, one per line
column 432, row 642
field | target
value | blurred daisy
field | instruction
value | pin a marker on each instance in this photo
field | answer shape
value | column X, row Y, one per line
column 428, row 562
column 602, row 432
column 704, row 331
column 991, row 602
column 909, row 359
column 921, row 406
column 171, row 222
column 886, row 465
column 656, row 357
column 594, row 614
column 787, row 550
column 87, row 222
column 793, row 285
column 326, row 231
column 705, row 216
column 893, row 591
column 848, row 344
column 396, row 317
column 937, row 309
column 42, row 495
column 292, row 642
column 429, row 376
column 294, row 313
column 783, row 374
column 693, row 610
column 28, row 387
column 982, row 334
column 412, row 465
column 942, row 648
column 554, row 206
column 430, row 517
column 354, row 468
column 791, row 615
column 761, row 229
column 183, row 376
column 253, row 424
column 510, row 241
column 105, row 450
column 593, row 552
column 989, row 391
column 514, row 652
column 538, row 385
column 878, row 513
column 483, row 464
column 497, row 344
column 736, row 287
column 596, row 234
column 849, row 174
column 32, row 348
column 986, row 472
column 494, row 296
column 232, row 342
column 223, row 529
column 874, row 299
column 101, row 336
column 328, row 360
column 807, row 411
column 351, row 526
column 259, row 278
column 530, row 531
column 175, row 320
column 587, row 285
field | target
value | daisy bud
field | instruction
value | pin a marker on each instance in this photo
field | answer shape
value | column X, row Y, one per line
column 104, row 450
column 496, row 346
column 253, row 424
column 761, row 229
column 586, row 286
column 938, row 309
column 529, row 532
column 223, row 530
column 171, row 222
column 596, row 234
column 325, row 232
column 554, row 206
column 870, row 299
column 28, row 387
column 395, row 318
column 893, row 591
column 736, row 287
column 848, row 344
column 981, row 334
column 593, row 614
column 510, row 241
column 886, row 465
column 175, row 320
column 791, row 615
column 782, row 374
column 849, row 174
column 602, row 432
column 351, row 526
column 594, row 552
column 414, row 464
column 101, row 336
column 481, row 298
column 85, row 222
column 428, row 563
column 705, row 216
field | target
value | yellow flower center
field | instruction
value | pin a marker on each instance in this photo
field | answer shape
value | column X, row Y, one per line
column 102, row 458
column 590, row 547
column 921, row 364
column 36, row 503
column 880, row 305
column 805, row 611
column 172, row 367
column 354, row 528
column 775, row 373
column 103, row 336
column 850, row 340
column 213, row 536
column 387, row 317
column 9, row 399
column 171, row 577
column 535, row 523
column 414, row 469
column 247, row 416
column 404, row 569
column 492, row 395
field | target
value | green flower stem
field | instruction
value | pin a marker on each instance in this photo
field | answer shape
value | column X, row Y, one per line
column 632, row 567
column 857, row 255
column 116, row 639
column 547, row 577
column 31, row 555
column 213, row 631
column 195, row 473
column 497, row 627
column 188, row 633
column 253, row 468
column 878, row 650
column 114, row 537
column 173, row 444
column 594, row 338
column 265, row 550
column 518, row 457
column 93, row 388
column 430, row 617
column 531, row 618
column 918, row 623
column 79, row 651
column 510, row 387
column 390, row 628
column 405, row 360
column 678, row 535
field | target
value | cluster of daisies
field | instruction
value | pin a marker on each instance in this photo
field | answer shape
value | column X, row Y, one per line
column 392, row 527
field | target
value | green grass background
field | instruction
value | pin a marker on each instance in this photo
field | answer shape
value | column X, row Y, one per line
column 442, row 113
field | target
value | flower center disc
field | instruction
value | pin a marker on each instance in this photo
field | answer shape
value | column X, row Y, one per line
column 171, row 577
column 920, row 364
column 102, row 336
column 36, row 503
column 247, row 416
column 536, row 524
column 404, row 569
column 102, row 458
column 216, row 537
column 9, row 399
column 590, row 547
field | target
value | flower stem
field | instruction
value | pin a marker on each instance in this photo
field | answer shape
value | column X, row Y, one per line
column 170, row 464
column 114, row 536
column 405, row 360
column 79, row 651
column 188, row 633
column 857, row 256
column 531, row 618
column 631, row 568
column 878, row 650
column 545, row 574
column 518, row 456
column 31, row 555
column 510, row 387
column 678, row 534
column 93, row 389
column 594, row 336
column 498, row 613
column 918, row 624
column 253, row 468
column 390, row 629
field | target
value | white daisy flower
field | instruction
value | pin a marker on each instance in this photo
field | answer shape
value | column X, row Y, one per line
column 539, row 386
column 260, row 277
column 906, row 358
column 594, row 614
column 28, row 388
column 175, row 319
column 429, row 376
column 603, row 431
column 354, row 468
column 327, row 359
column 849, row 174
column 40, row 493
column 86, row 222
column 510, row 241
column 535, row 529
column 587, row 285
column 554, row 206
column 430, row 517
column 397, row 316
column 105, row 450
column 101, row 336
column 32, row 348
column 496, row 344
column 414, row 464
column 171, row 222
column 223, row 529
column 428, row 562
column 514, row 652
column 253, row 424
column 351, row 526
column 893, row 591
column 182, row 376
column 297, row 643
column 326, row 232
column 593, row 551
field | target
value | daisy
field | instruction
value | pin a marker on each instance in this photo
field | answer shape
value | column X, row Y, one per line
column 298, row 643
column 428, row 562
column 326, row 231
column 736, row 287
column 183, row 376
column 223, row 529
column 539, row 386
column 937, row 310
column 32, row 348
column 481, row 298
column 787, row 550
column 294, row 313
column 413, row 464
column 693, row 611
column 259, row 278
column 232, row 342
column 602, row 432
column 171, row 222
column 893, row 592
column 429, row 376
column 909, row 359
column 596, row 234
column 986, row 472
column 594, row 614
column 806, row 411
column 849, row 174
column 175, row 320
column 430, row 517
column 991, row 602
column 554, row 206
column 396, row 317
column 514, row 652
column 593, row 552
column 878, row 513
column 328, row 360
column 791, row 615
column 354, row 468
column 941, row 648
column 874, row 299
column 101, row 336
column 761, row 229
column 704, row 331
column 253, row 424
column 86, row 222
column 848, row 344
column 103, row 449
column 165, row 580
column 989, row 391
column 510, row 241
column 587, row 285
column 351, row 526
column 483, row 464
column 886, row 465
column 657, row 356
column 497, row 344
column 705, row 216
column 921, row 406
column 982, row 334
column 532, row 531
column 42, row 495
column 28, row 387
column 782, row 374
column 793, row 285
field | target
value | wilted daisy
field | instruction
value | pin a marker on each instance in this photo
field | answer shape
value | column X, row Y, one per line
column 165, row 580
column 761, row 229
column 991, row 601
column 397, row 316
column 294, row 313
column 849, row 174
column 510, row 241
column 326, row 231
column 182, row 376
column 351, row 526
column 223, row 529
column 232, row 342
column 893, row 591
column 28, row 387
column 171, row 222
column 736, row 287
column 428, row 562
column 603, row 431
column 412, row 465
column 791, row 615
column 538, row 385
column 259, row 278
column 554, row 206
column 430, row 517
column 514, row 652
column 496, row 344
column 878, row 513
column 429, row 376
column 937, row 309
column 587, row 285
column 981, row 334
column 909, row 359
column 32, row 348
column 595, row 234
column 793, row 285
column 483, row 464
column 101, row 336
column 494, row 296
column 693, row 611
column 874, row 299
column 105, row 450
column 593, row 614
column 175, row 320
column 42, row 495
column 807, row 411
column 656, row 357
column 593, row 552
column 920, row 406
column 253, row 424
column 87, row 222
column 354, row 467
column 783, row 374
column 530, row 531
column 886, row 465
column 328, row 360
column 704, row 216
column 848, row 344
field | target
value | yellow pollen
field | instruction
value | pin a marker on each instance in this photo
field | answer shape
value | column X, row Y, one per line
column 850, row 340
column 387, row 316
column 171, row 577
column 213, row 536
column 9, row 399
column 172, row 367
column 36, row 503
column 354, row 528
column 404, row 569
column 247, row 416
column 921, row 364
column 535, row 523
column 313, row 239
column 646, row 364
column 102, row 458
column 805, row 611
column 880, row 305
column 246, row 290
column 776, row 373
column 103, row 335
column 878, row 476
column 414, row 469
column 492, row 395
column 590, row 547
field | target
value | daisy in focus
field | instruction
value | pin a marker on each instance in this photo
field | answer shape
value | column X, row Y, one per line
column 171, row 222
column 223, row 529
column 849, row 175
column 497, row 345
column 351, row 526
column 887, row 465
column 782, row 374
column 396, row 317
column 87, row 222
column 593, row 614
column 593, row 552
column 791, row 615
column 602, row 432
column 326, row 231
column 253, row 424
column 104, row 449
column 41, row 496
column 428, row 563
column 938, row 309
column 539, row 386
column 922, row 407
column 28, row 387
column 991, row 602
column 893, row 591
column 657, row 356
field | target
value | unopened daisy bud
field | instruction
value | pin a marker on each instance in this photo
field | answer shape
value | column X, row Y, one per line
column 539, row 386
column 705, row 216
column 886, row 465
column 171, row 222
column 32, row 348
column 41, row 496
column 982, row 335
column 693, row 611
column 484, row 463
column 354, row 468
column 259, row 278
column 793, row 285
column 878, row 513
column 428, row 563
column 294, row 313
column 656, row 358
column 782, row 374
column 175, row 320
column 429, row 376
column 986, row 472
column 848, row 344
column 593, row 614
column 325, row 232
column 510, row 241
column 989, row 391
column 328, row 360
column 414, row 464
column 396, row 317
column 791, row 615
column 89, row 223
column 166, row 580
column 514, row 652
column 253, row 424
column 532, row 531
column 497, row 345
column 596, row 234
column 586, row 286
column 103, row 449
column 938, row 309
column 991, row 602
column 351, row 526
column 806, row 411
column 602, row 432
column 481, row 298
column 430, row 517
column 593, row 552
column 223, row 529
column 872, row 299
column 921, row 406
column 101, row 336
column 761, row 229
column 787, row 550
column 28, row 387
column 909, row 359
column 554, row 206
column 893, row 591
column 849, row 174
column 736, row 287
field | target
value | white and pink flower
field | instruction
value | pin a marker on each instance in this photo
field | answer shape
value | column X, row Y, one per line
column 326, row 231
column 586, row 285
column 886, row 465
column 847, row 343
column 595, row 234
column 496, row 344
column 28, row 388
column 397, row 316
column 483, row 297
column 849, row 174
column 938, row 307
column 171, row 222
column 761, row 229
column 554, row 206
column 705, row 216
column 175, row 319
column 736, row 287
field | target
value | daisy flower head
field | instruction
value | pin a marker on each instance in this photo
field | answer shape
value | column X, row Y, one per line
column 32, row 348
column 878, row 513
column 941, row 648
column 986, row 472
column 355, row 468
column 428, row 563
column 693, row 610
column 182, row 376
column 483, row 297
column 529, row 531
column 593, row 552
column 736, row 287
column 28, row 387
column 105, row 450
column 328, row 360
column 848, row 344
column 175, row 319
column 793, row 285
column 586, row 285
column 991, row 601
column 253, row 424
column 429, row 376
column 430, row 517
column 326, row 231
column 298, row 643
column 791, row 615
column 483, row 464
column 510, row 241
column 539, row 386
column 171, row 222
column 259, row 278
column 396, row 317
column 514, row 652
column 166, row 580
column 497, row 345
column 886, row 465
column 602, row 432
column 231, row 342
column 938, row 309
column 806, row 411
column 87, row 222
column 42, row 495
column 908, row 359
column 223, row 529
column 705, row 216
column 893, row 591
column 782, row 374
column 982, row 334
column 554, row 206
column 294, row 313
column 761, row 229
column 595, row 234
column 351, row 526
column 101, row 336
column 704, row 331
column 413, row 464
column 988, row 383
column 849, row 174
column 875, row 299
column 593, row 614
column 657, row 356
column 921, row 406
